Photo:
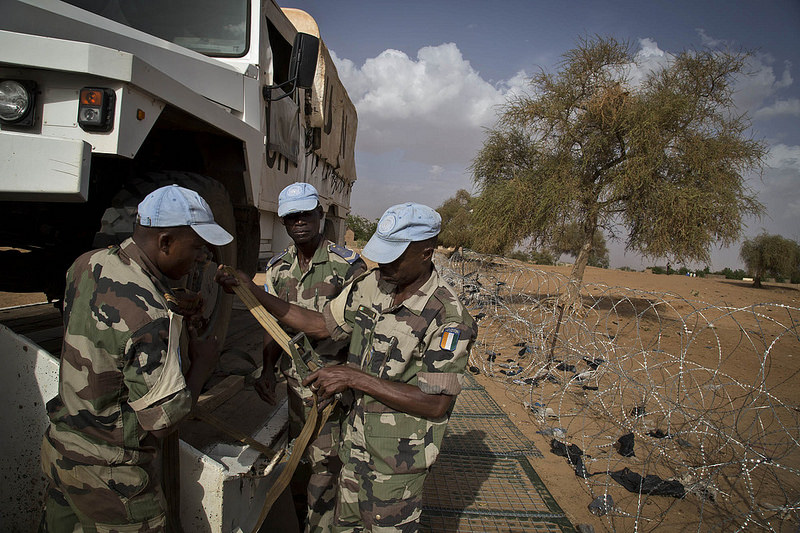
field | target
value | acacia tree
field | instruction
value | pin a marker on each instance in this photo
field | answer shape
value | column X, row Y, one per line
column 456, row 213
column 770, row 254
column 662, row 162
column 569, row 240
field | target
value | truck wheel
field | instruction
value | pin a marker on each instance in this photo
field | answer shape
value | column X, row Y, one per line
column 117, row 225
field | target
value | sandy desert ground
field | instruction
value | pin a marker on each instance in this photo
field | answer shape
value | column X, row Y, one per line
column 713, row 363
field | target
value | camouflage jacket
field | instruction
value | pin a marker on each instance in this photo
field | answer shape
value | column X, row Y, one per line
column 331, row 268
column 120, row 375
column 424, row 341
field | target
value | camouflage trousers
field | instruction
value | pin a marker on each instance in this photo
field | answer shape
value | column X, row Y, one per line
column 322, row 455
column 102, row 499
column 378, row 503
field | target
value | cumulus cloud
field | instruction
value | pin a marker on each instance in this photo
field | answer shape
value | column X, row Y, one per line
column 784, row 157
column 433, row 107
column 647, row 59
column 780, row 108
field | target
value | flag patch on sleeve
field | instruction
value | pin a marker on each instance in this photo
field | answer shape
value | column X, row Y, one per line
column 449, row 339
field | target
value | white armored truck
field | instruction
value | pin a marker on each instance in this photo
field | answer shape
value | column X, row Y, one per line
column 102, row 101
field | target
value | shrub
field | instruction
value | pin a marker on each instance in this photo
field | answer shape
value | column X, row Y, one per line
column 362, row 228
column 519, row 255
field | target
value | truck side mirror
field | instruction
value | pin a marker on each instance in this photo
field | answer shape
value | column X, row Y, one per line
column 303, row 61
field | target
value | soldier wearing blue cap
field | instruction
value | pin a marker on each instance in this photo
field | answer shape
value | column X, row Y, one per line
column 409, row 339
column 310, row 273
column 121, row 386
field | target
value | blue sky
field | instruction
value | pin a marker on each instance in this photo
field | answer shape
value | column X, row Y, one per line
column 427, row 77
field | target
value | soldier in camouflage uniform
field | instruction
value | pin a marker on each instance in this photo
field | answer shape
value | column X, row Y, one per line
column 121, row 387
column 309, row 273
column 409, row 340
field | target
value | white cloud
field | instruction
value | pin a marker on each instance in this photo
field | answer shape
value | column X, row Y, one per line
column 649, row 58
column 784, row 157
column 781, row 108
column 710, row 41
column 758, row 89
column 432, row 107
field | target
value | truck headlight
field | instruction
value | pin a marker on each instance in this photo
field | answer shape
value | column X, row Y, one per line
column 17, row 101
column 96, row 109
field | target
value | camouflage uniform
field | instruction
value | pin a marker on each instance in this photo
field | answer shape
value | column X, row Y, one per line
column 120, row 379
column 331, row 268
column 386, row 454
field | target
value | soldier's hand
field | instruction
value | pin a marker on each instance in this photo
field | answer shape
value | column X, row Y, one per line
column 226, row 279
column 265, row 385
column 330, row 380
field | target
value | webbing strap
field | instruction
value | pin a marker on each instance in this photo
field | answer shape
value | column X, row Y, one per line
column 314, row 421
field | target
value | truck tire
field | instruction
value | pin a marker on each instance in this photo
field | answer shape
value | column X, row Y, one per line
column 117, row 225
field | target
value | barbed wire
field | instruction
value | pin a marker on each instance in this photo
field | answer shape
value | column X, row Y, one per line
column 690, row 405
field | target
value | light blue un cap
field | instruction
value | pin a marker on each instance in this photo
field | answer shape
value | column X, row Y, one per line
column 171, row 206
column 297, row 198
column 400, row 225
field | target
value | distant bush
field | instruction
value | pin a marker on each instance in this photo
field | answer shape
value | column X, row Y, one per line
column 542, row 258
column 626, row 269
column 658, row 270
column 732, row 274
column 519, row 255
column 362, row 228
column 683, row 271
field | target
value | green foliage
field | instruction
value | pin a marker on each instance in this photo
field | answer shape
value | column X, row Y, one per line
column 542, row 258
column 519, row 255
column 362, row 228
column 732, row 274
column 683, row 271
column 569, row 240
column 770, row 255
column 664, row 159
column 658, row 270
column 626, row 269
column 456, row 213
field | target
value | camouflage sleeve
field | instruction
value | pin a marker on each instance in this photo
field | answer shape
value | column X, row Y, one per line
column 269, row 284
column 152, row 373
column 445, row 359
column 334, row 314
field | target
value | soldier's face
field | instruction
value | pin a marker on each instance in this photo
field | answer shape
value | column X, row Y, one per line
column 180, row 250
column 414, row 263
column 303, row 227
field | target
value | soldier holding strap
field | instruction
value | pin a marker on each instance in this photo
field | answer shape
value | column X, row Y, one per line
column 409, row 340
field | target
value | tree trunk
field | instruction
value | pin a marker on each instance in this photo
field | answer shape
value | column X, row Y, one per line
column 757, row 282
column 576, row 276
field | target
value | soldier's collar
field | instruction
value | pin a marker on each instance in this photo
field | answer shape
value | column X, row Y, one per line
column 321, row 253
column 416, row 302
column 129, row 249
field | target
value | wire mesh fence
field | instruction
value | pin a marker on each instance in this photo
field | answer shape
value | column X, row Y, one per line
column 670, row 410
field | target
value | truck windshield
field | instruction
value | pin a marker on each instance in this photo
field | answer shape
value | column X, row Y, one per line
column 217, row 28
